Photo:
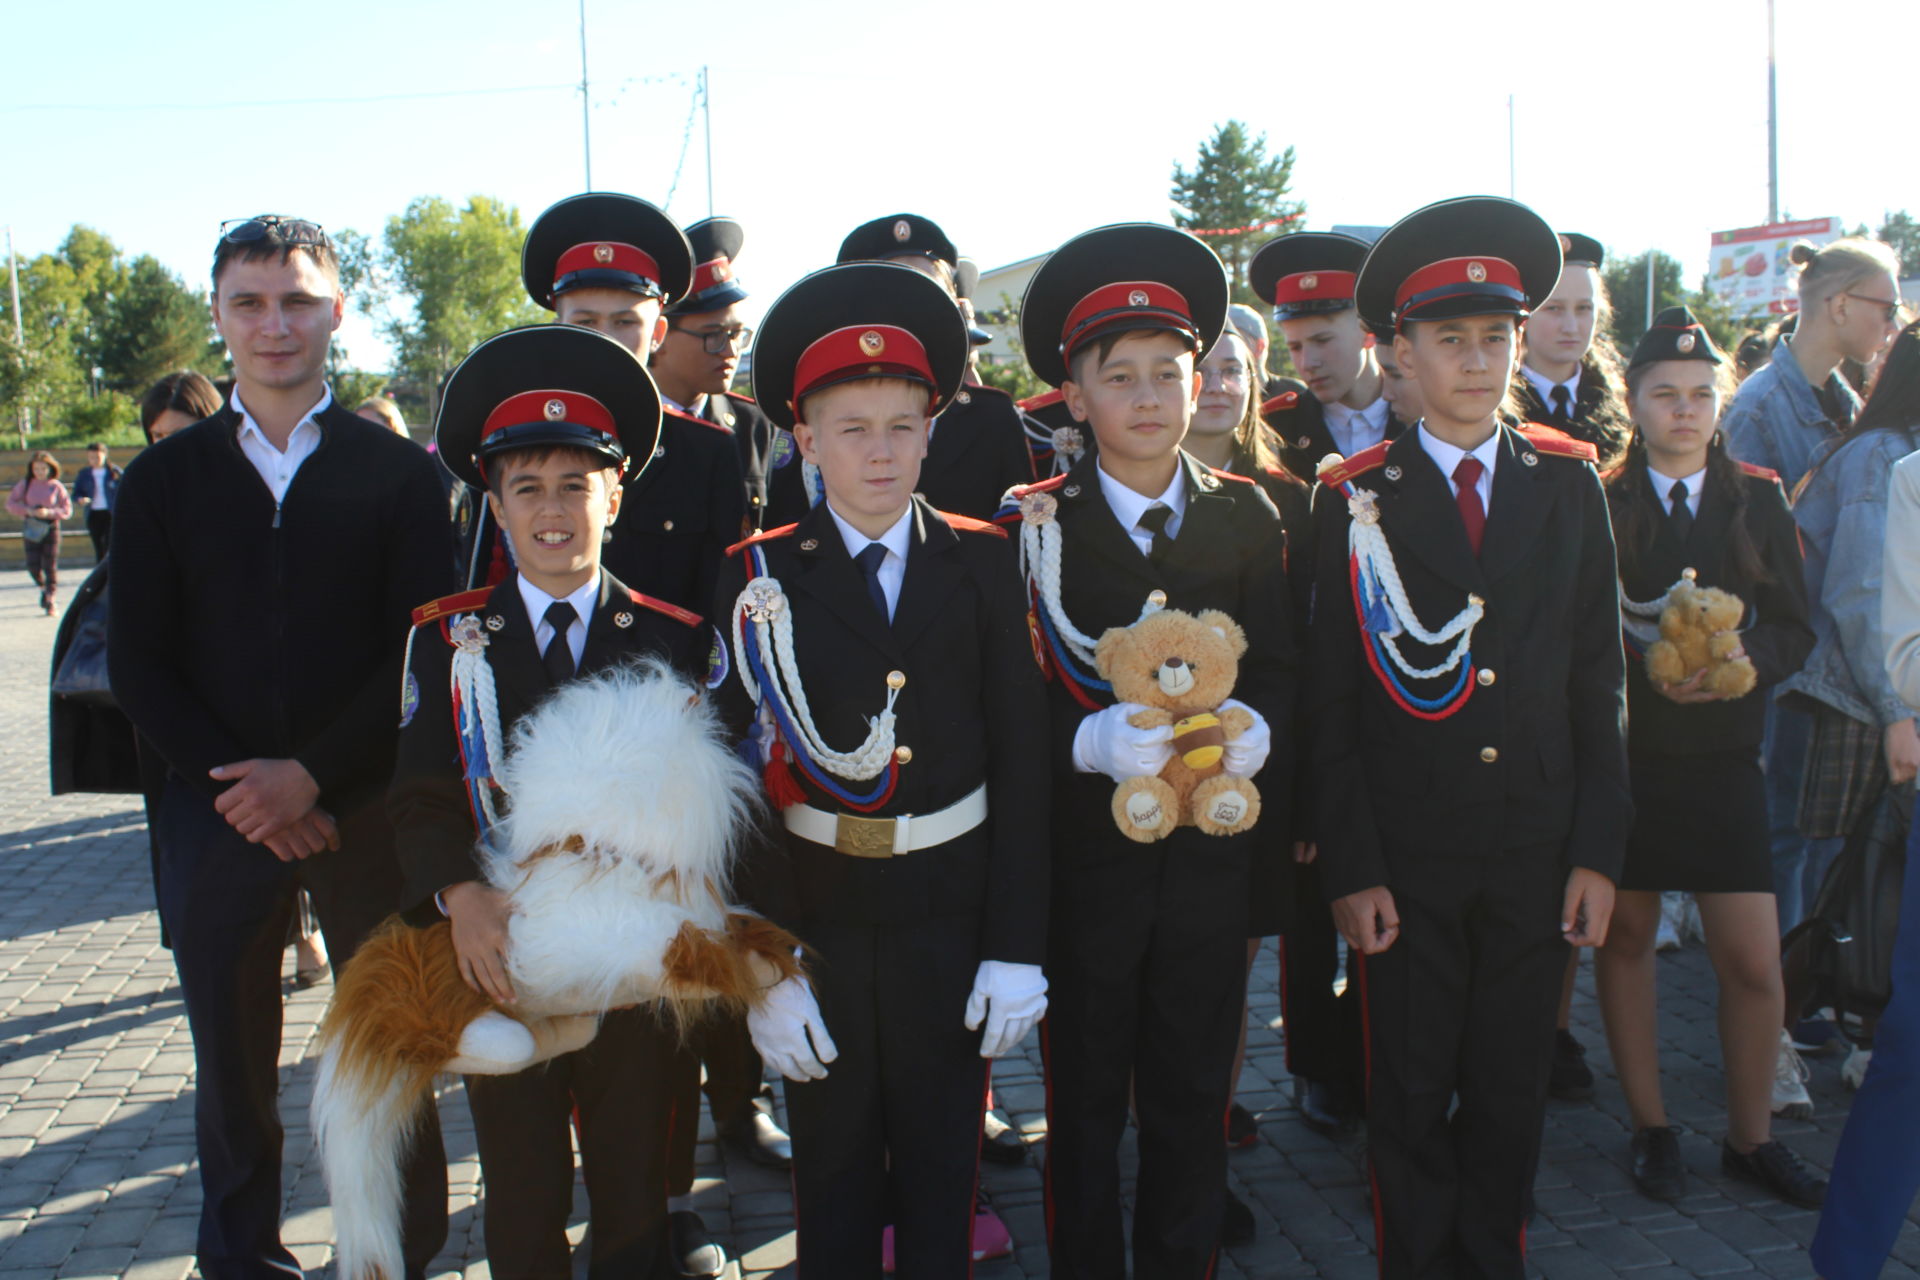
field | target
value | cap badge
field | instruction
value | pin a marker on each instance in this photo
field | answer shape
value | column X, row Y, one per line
column 1394, row 473
column 1477, row 272
column 1038, row 508
column 902, row 230
column 1309, row 283
column 721, row 271
column 1304, row 442
column 871, row 343
column 555, row 410
column 623, row 620
column 1566, row 245
column 603, row 253
column 1138, row 298
column 1684, row 342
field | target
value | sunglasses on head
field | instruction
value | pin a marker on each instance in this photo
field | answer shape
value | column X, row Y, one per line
column 272, row 226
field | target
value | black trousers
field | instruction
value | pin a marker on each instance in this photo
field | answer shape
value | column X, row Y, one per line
column 226, row 905
column 1460, row 1014
column 733, row 1068
column 100, row 529
column 1322, row 1029
column 892, row 1134
column 619, row 1085
column 1146, row 970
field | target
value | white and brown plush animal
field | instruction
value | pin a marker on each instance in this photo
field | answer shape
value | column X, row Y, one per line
column 626, row 809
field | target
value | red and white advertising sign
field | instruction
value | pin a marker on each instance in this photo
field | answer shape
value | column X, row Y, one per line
column 1748, row 269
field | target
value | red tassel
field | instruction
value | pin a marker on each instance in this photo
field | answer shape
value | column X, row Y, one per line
column 498, row 568
column 782, row 790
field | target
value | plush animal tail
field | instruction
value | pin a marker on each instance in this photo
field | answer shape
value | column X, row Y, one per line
column 704, row 971
column 398, row 1010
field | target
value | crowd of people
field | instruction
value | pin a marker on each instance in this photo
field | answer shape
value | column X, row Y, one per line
column 1449, row 755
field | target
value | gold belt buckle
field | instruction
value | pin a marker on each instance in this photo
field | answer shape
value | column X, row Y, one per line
column 859, row 837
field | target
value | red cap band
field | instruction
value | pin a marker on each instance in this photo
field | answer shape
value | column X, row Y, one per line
column 708, row 274
column 1125, row 302
column 1314, row 286
column 1459, row 278
column 860, row 351
column 549, row 406
column 607, row 255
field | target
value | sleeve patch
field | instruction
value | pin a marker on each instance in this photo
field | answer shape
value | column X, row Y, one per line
column 409, row 700
column 719, row 665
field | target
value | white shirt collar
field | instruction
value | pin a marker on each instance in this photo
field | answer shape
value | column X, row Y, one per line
column 1447, row 456
column 1127, row 506
column 584, row 600
column 1543, row 385
column 1374, row 415
column 1663, row 487
column 249, row 427
column 896, row 539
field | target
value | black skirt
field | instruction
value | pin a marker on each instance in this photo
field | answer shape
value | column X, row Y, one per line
column 1699, row 824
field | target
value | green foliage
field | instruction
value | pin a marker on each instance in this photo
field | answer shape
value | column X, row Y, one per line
column 1013, row 377
column 1235, row 183
column 1901, row 232
column 1626, row 281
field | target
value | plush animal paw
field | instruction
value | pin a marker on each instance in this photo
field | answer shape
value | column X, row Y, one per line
column 494, row 1045
column 1146, row 809
column 563, row 1034
column 1224, row 805
column 1664, row 665
column 1735, row 679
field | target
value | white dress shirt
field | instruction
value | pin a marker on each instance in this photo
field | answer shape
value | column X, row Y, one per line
column 1128, row 506
column 1663, row 488
column 538, row 602
column 100, row 501
column 276, row 466
column 1545, row 387
column 893, row 569
column 1447, row 457
column 1356, row 429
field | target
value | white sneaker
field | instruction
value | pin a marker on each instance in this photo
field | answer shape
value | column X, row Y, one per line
column 1790, row 1098
column 1692, row 928
column 1671, row 910
column 1853, row 1072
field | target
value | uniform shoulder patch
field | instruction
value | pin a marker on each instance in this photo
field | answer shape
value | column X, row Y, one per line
column 743, row 399
column 1757, row 472
column 673, row 611
column 1557, row 442
column 669, row 412
column 459, row 602
column 1218, row 474
column 967, row 524
column 1039, row 486
column 1280, row 404
column 1339, row 472
column 765, row 535
column 1046, row 399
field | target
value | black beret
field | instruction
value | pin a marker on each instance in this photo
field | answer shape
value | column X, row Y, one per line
column 1675, row 335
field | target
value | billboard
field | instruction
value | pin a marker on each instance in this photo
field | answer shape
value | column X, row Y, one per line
column 1748, row 269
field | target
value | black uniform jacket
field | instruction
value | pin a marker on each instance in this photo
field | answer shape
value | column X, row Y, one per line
column 1537, row 753
column 432, row 818
column 1775, row 632
column 757, row 442
column 977, row 453
column 1300, row 420
column 971, row 711
column 1229, row 555
column 240, row 627
column 680, row 516
column 1596, row 418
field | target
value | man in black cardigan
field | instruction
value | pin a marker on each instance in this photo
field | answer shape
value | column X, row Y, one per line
column 266, row 560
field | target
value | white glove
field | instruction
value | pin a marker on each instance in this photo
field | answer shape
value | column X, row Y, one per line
column 1245, row 754
column 781, row 1027
column 1106, row 743
column 1011, row 998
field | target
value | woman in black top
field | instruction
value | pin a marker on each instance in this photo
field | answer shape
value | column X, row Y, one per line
column 1680, row 503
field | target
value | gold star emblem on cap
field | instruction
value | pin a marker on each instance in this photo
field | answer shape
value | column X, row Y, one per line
column 1138, row 298
column 1566, row 245
column 902, row 230
column 1477, row 272
column 1684, row 342
column 555, row 410
column 871, row 342
column 721, row 271
column 1309, row 283
column 603, row 253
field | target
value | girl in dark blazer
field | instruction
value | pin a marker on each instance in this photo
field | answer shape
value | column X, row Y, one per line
column 1681, row 504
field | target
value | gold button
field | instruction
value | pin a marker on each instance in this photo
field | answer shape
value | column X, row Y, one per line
column 668, row 526
column 1488, row 755
column 903, row 754
column 1486, row 676
column 755, row 499
column 896, row 679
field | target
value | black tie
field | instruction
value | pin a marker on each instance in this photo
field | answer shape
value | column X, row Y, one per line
column 1562, row 407
column 1682, row 515
column 1154, row 521
column 869, row 561
column 558, row 658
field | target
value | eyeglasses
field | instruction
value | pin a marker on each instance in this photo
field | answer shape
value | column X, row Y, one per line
column 716, row 341
column 1893, row 308
column 1233, row 375
column 272, row 226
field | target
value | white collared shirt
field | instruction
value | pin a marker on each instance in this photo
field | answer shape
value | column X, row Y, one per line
column 1447, row 457
column 893, row 569
column 1128, row 506
column 1356, row 429
column 1663, row 488
column 100, row 500
column 538, row 602
column 1545, row 387
column 276, row 466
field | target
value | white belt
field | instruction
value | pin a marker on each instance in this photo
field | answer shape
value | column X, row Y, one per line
column 862, row 837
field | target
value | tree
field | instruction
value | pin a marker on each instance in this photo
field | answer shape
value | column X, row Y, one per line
column 1626, row 281
column 1233, row 184
column 153, row 324
column 1901, row 233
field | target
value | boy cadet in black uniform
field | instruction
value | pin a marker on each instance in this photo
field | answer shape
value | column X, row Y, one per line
column 883, row 648
column 1468, row 725
column 1308, row 278
column 548, row 420
column 978, row 449
column 1146, row 944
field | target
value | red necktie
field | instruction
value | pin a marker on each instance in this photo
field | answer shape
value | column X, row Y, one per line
column 1466, row 483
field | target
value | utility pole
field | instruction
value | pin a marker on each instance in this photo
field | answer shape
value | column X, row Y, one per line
column 1512, row 186
column 586, row 103
column 1653, row 257
column 706, row 110
column 19, row 330
column 1773, row 129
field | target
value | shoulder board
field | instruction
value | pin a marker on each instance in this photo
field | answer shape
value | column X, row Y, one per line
column 975, row 388
column 1759, row 473
column 1218, row 474
column 1040, row 486
column 1280, row 403
column 1348, row 468
column 743, row 399
column 1555, row 441
column 1042, row 400
column 967, row 524
column 673, row 611
column 460, row 602
column 766, row 535
column 667, row 411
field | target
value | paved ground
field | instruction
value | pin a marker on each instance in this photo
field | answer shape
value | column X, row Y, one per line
column 96, row 1094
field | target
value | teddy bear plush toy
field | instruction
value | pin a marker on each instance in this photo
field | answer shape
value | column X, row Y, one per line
column 1698, row 632
column 1180, row 668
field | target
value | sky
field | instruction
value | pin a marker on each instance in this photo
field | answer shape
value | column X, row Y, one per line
column 1014, row 125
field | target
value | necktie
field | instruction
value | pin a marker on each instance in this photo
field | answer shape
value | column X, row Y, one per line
column 869, row 561
column 1154, row 521
column 1562, row 407
column 1680, row 514
column 558, row 658
column 1473, row 514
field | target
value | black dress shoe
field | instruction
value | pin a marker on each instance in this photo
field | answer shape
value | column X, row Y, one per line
column 1324, row 1107
column 694, row 1250
column 755, row 1137
column 1571, row 1079
column 1772, row 1166
column 1000, row 1142
column 1658, row 1170
column 1242, row 1129
column 1237, row 1225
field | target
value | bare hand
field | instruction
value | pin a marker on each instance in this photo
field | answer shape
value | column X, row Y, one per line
column 1903, row 751
column 479, row 913
column 1688, row 691
column 1587, row 908
column 266, row 795
column 1305, row 851
column 1368, row 920
column 305, row 836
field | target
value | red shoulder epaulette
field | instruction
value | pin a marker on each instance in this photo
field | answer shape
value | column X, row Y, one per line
column 1040, row 486
column 764, row 535
column 970, row 525
column 740, row 396
column 1555, row 441
column 673, row 611
column 1763, row 473
column 459, row 602
column 1218, row 474
column 1042, row 400
column 1348, row 468
column 670, row 411
column 1285, row 400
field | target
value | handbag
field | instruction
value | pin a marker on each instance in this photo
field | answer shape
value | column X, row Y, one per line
column 34, row 529
column 82, row 673
column 1848, row 934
